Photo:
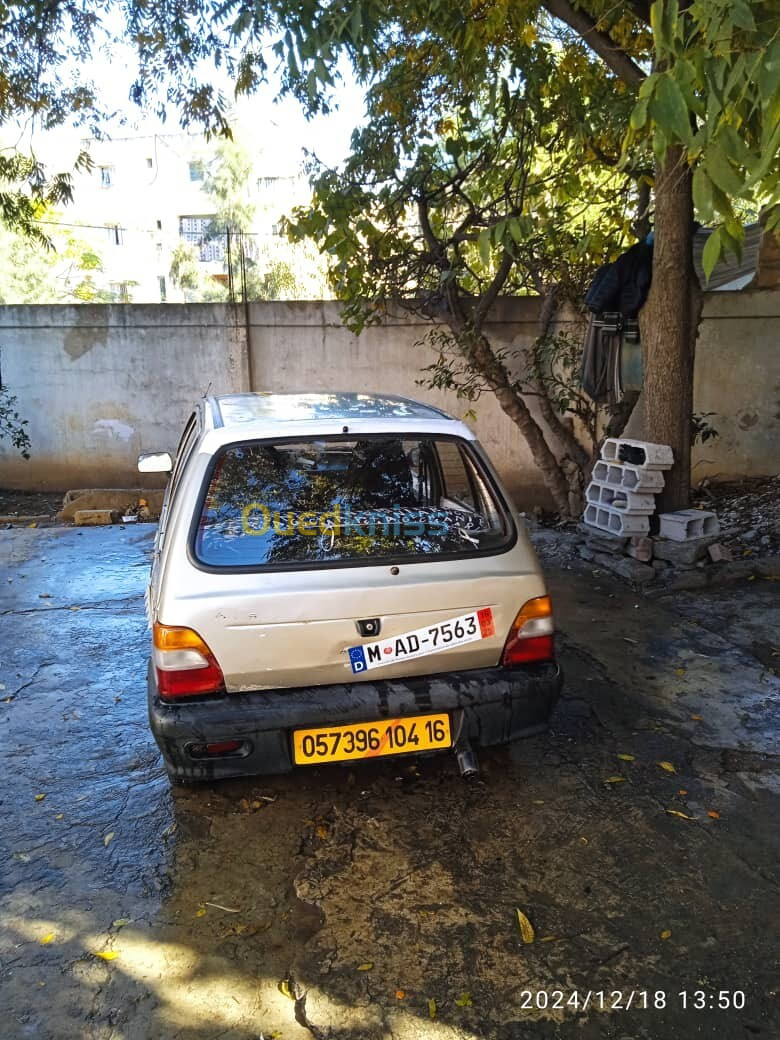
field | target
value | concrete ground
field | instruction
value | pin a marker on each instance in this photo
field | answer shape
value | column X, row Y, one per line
column 381, row 900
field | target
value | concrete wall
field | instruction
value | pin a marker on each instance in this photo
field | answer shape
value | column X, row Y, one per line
column 100, row 384
column 738, row 378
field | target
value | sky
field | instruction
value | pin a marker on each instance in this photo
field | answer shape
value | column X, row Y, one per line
column 278, row 122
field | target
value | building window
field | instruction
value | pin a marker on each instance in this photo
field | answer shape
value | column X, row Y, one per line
column 196, row 230
column 115, row 233
column 163, row 292
column 106, row 174
column 196, row 170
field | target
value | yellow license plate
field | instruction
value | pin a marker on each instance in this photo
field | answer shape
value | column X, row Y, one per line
column 371, row 739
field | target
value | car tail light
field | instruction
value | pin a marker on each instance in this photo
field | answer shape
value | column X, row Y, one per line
column 531, row 635
column 184, row 664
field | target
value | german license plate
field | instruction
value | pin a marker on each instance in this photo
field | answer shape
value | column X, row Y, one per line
column 371, row 739
column 466, row 628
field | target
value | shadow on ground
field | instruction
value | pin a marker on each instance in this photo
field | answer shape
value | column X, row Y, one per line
column 356, row 903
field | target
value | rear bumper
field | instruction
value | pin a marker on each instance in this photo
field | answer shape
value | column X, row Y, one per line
column 487, row 706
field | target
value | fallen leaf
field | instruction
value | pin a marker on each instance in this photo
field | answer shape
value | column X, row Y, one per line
column 713, row 815
column 617, row 779
column 526, row 928
column 679, row 671
column 365, row 967
column 626, row 758
column 682, row 815
column 666, row 934
column 108, row 955
column 431, row 1008
column 48, row 939
column 59, row 816
column 548, row 938
column 696, row 718
column 683, row 791
column 400, row 994
column 322, row 832
column 751, row 577
column 201, row 911
column 120, row 922
column 39, row 797
column 284, row 989
column 464, row 1000
column 667, row 766
column 108, row 838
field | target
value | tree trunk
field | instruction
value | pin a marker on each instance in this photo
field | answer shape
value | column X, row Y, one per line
column 481, row 356
column 669, row 322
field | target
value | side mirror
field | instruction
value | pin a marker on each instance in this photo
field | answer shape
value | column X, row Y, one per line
column 155, row 462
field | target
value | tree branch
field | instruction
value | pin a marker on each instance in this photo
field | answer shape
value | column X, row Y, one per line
column 489, row 296
column 600, row 43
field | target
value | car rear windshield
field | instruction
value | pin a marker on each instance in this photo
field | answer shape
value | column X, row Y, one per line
column 337, row 500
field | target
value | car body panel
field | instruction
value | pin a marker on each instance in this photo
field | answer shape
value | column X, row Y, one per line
column 287, row 630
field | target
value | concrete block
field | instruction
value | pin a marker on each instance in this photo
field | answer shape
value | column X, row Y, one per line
column 632, row 570
column 93, row 517
column 640, row 548
column 613, row 521
column 118, row 499
column 619, row 498
column 637, row 453
column 682, row 554
column 600, row 541
column 685, row 524
column 632, row 478
column 719, row 553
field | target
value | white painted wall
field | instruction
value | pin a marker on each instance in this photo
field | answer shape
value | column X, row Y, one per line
column 100, row 384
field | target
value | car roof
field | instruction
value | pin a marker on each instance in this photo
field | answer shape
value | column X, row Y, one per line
column 271, row 414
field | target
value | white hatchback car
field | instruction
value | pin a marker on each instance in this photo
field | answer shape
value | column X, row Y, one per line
column 337, row 577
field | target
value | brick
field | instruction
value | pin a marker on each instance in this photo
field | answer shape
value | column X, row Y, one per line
column 93, row 517
column 640, row 548
column 600, row 541
column 618, row 498
column 685, row 524
column 719, row 553
column 613, row 521
column 632, row 570
column 682, row 553
column 648, row 456
column 632, row 478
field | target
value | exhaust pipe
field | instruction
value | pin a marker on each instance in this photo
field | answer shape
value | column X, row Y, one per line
column 466, row 759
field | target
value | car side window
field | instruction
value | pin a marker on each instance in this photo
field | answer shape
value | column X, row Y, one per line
column 458, row 482
column 183, row 452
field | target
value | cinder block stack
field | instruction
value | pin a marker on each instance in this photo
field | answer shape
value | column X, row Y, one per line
column 621, row 495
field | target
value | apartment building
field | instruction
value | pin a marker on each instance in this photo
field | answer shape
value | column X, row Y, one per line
column 145, row 193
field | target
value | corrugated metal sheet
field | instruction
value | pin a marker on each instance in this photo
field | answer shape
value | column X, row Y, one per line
column 730, row 273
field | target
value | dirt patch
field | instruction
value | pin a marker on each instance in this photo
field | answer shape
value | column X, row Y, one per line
column 30, row 503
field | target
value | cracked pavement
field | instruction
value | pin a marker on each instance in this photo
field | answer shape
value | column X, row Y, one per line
column 131, row 912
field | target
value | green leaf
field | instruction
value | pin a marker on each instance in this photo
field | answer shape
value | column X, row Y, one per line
column 663, row 20
column 721, row 171
column 669, row 109
column 702, row 194
column 639, row 114
column 484, row 246
column 711, row 253
column 742, row 16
